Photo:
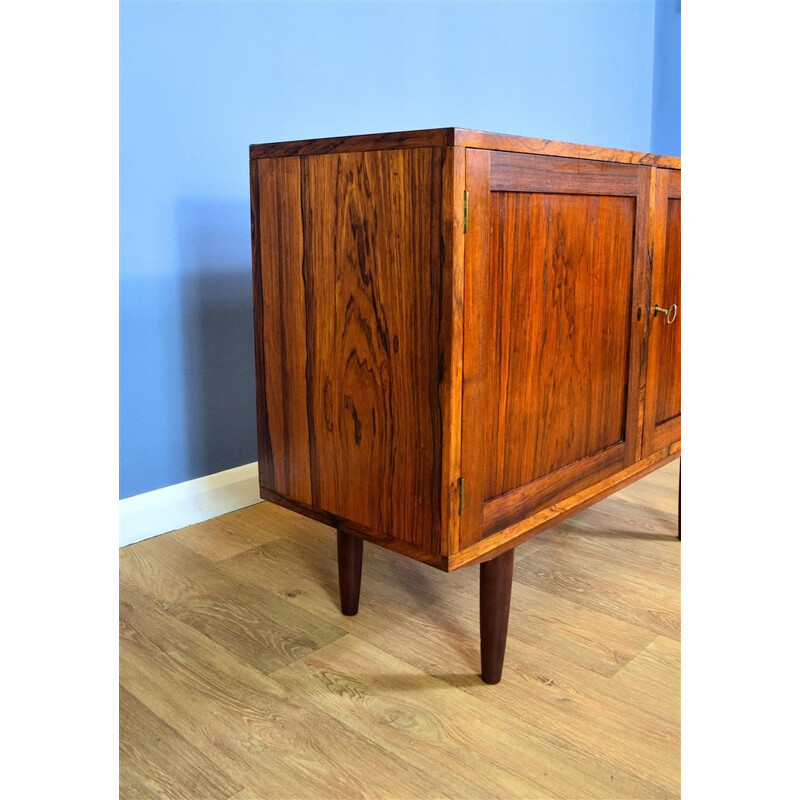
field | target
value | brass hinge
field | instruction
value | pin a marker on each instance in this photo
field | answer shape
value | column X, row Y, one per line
column 466, row 212
column 460, row 496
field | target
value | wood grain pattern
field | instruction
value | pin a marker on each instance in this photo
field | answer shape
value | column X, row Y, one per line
column 225, row 536
column 356, row 333
column 553, row 274
column 281, row 321
column 340, row 523
column 557, row 390
column 668, row 396
column 242, row 720
column 411, row 715
column 643, row 243
column 367, row 298
column 546, row 690
column 518, row 532
column 542, row 492
column 461, row 138
column 399, row 359
column 515, row 533
column 244, row 620
column 464, row 137
column 451, row 351
column 589, row 704
column 303, row 571
column 265, row 471
column 433, row 735
column 515, row 172
column 655, row 676
column 636, row 598
column 156, row 762
column 373, row 277
column 369, row 142
column 477, row 333
column 662, row 421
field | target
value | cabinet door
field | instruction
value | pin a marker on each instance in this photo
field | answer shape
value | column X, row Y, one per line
column 662, row 417
column 555, row 282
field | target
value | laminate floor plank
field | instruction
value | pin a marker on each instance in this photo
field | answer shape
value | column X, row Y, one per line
column 624, row 594
column 654, row 676
column 225, row 536
column 278, row 745
column 431, row 724
column 606, row 722
column 157, row 762
column 661, row 585
column 658, row 491
column 256, row 625
column 233, row 640
column 626, row 534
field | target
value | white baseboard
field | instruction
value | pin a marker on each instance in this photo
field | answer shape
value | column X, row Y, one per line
column 173, row 507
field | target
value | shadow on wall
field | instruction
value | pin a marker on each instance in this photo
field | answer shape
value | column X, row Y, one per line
column 217, row 328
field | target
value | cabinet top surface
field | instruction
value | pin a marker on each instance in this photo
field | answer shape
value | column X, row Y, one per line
column 458, row 137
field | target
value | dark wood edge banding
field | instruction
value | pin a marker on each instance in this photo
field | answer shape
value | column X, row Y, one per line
column 459, row 137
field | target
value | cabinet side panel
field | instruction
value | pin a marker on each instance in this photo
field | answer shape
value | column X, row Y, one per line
column 373, row 279
column 281, row 340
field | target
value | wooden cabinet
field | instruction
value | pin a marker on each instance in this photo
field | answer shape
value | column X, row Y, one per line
column 461, row 339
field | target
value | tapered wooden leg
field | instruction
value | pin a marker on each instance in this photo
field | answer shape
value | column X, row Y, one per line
column 679, row 501
column 350, row 550
column 496, row 577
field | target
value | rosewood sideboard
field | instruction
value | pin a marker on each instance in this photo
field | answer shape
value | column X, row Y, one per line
column 461, row 339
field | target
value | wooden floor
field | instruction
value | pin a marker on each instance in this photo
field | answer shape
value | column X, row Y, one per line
column 241, row 679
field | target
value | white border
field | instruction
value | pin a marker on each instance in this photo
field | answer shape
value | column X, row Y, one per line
column 173, row 507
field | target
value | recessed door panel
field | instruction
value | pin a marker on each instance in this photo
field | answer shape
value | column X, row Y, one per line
column 562, row 266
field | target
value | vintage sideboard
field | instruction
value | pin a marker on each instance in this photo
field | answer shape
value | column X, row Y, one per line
column 461, row 339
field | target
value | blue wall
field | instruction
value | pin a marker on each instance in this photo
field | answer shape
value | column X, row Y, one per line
column 666, row 136
column 201, row 81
